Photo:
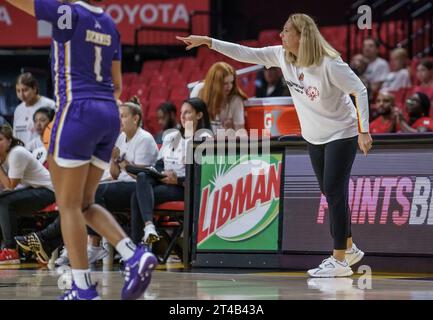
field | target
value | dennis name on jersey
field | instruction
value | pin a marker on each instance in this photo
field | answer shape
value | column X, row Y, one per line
column 98, row 38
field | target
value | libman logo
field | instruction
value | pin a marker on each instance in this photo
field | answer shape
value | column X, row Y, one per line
column 240, row 203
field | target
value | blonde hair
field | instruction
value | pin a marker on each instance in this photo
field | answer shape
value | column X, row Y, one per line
column 213, row 91
column 400, row 53
column 312, row 46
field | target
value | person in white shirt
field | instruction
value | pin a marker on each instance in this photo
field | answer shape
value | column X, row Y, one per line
column 41, row 119
column 321, row 85
column 223, row 97
column 151, row 192
column 27, row 89
column 19, row 167
column 134, row 146
column 377, row 68
column 400, row 76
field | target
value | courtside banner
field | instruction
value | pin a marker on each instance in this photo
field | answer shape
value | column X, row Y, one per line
column 390, row 200
column 240, row 203
column 19, row 29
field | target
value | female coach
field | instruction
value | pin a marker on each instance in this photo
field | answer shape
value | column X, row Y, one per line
column 321, row 85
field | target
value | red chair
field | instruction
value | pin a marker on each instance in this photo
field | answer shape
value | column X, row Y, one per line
column 171, row 65
column 151, row 65
column 159, row 92
column 179, row 93
column 142, row 93
column 269, row 37
column 128, row 78
column 187, row 65
column 197, row 76
column 250, row 43
column 170, row 215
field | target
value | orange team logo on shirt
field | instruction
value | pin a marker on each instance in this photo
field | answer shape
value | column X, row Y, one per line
column 301, row 77
column 312, row 93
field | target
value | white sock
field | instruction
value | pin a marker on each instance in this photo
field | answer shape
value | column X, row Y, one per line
column 126, row 248
column 82, row 278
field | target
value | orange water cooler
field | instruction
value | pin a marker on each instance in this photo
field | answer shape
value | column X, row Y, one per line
column 276, row 114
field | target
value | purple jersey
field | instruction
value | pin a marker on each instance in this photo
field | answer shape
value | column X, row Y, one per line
column 85, row 42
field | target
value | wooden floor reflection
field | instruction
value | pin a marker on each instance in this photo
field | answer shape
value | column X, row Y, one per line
column 171, row 282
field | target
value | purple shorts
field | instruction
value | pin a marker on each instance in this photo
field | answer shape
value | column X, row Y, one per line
column 85, row 131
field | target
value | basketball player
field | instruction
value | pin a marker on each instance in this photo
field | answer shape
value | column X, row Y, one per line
column 320, row 84
column 86, row 70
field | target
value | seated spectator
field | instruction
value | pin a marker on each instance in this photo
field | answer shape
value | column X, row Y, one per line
column 172, row 160
column 223, row 97
column 359, row 65
column 418, row 109
column 167, row 119
column 19, row 167
column 399, row 77
column 134, row 146
column 385, row 122
column 377, row 68
column 27, row 89
column 272, row 85
column 41, row 118
column 424, row 74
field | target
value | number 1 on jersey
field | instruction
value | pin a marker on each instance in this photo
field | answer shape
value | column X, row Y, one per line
column 98, row 63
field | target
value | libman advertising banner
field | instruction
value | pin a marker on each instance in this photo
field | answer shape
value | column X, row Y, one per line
column 240, row 203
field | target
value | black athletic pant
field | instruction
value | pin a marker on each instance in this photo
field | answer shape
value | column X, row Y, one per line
column 20, row 202
column 115, row 196
column 332, row 163
column 150, row 193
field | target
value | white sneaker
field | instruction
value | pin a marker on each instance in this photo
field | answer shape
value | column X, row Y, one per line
column 63, row 259
column 173, row 259
column 353, row 255
column 150, row 234
column 330, row 285
column 95, row 254
column 330, row 268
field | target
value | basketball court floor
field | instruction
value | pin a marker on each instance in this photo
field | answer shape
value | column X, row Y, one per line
column 36, row 282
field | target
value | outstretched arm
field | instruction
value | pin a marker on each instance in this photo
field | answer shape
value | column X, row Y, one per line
column 268, row 56
column 27, row 6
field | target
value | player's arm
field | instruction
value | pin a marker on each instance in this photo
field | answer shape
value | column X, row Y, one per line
column 116, row 74
column 27, row 6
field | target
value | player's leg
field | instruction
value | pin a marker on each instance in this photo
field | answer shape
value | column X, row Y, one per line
column 69, row 187
column 139, row 262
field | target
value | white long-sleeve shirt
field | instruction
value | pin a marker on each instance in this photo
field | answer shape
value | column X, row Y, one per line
column 321, row 94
